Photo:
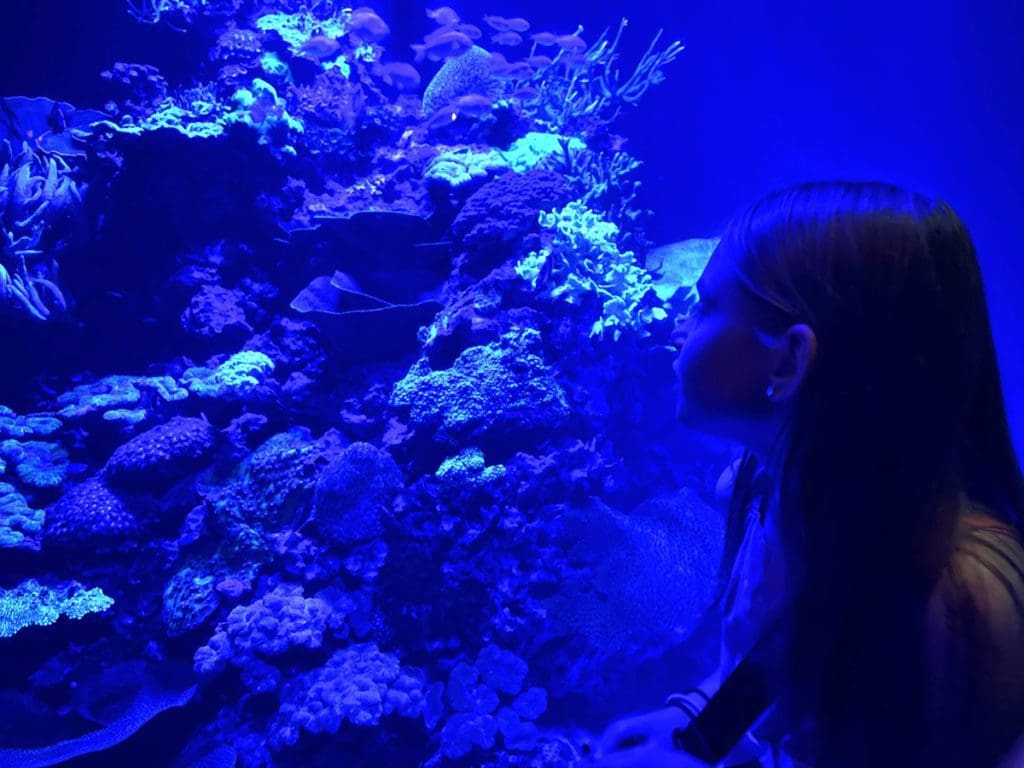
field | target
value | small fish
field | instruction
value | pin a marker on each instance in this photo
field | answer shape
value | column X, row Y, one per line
column 545, row 38
column 445, row 46
column 469, row 30
column 571, row 43
column 507, row 38
column 539, row 61
column 319, row 47
column 575, row 62
column 367, row 25
column 518, row 25
column 444, row 16
column 525, row 93
column 444, row 116
column 501, row 24
column 474, row 104
column 498, row 59
column 516, row 70
column 399, row 75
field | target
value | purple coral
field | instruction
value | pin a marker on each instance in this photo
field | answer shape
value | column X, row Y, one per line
column 359, row 684
column 162, row 455
column 350, row 493
column 497, row 216
column 276, row 623
column 89, row 514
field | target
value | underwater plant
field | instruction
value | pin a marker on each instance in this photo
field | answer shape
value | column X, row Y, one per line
column 39, row 196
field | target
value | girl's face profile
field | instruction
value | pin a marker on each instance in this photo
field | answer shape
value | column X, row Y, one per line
column 724, row 363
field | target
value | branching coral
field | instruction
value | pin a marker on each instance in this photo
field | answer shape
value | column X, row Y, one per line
column 582, row 260
column 588, row 85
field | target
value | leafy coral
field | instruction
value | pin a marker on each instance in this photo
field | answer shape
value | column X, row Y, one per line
column 582, row 260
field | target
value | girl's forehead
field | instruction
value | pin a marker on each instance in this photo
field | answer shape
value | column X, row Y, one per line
column 719, row 273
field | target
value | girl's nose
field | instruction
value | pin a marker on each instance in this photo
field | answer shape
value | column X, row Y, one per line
column 679, row 334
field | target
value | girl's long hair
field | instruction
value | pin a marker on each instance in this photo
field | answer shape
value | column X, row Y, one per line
column 902, row 411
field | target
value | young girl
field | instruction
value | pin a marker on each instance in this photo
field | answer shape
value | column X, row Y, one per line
column 842, row 336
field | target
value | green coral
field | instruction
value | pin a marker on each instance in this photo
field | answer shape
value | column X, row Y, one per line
column 469, row 468
column 297, row 28
column 583, row 260
column 461, row 166
column 39, row 464
column 541, row 150
column 34, row 425
column 34, row 604
column 457, row 167
column 20, row 525
column 498, row 388
column 119, row 398
column 235, row 378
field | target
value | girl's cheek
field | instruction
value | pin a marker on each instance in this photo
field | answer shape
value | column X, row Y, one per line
column 717, row 376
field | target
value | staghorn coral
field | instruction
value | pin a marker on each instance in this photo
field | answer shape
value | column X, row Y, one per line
column 585, row 88
column 34, row 604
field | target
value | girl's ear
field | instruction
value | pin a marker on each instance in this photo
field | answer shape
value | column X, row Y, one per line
column 795, row 352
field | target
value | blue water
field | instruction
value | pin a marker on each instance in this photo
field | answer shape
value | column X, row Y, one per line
column 336, row 418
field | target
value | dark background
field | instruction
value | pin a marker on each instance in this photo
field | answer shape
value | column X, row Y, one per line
column 924, row 93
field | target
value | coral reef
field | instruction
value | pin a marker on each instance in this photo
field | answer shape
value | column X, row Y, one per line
column 355, row 398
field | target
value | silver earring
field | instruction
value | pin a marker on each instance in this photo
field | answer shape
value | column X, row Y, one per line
column 770, row 392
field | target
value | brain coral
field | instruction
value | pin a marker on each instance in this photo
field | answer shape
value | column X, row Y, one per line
column 89, row 514
column 162, row 455
column 461, row 75
column 502, row 390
